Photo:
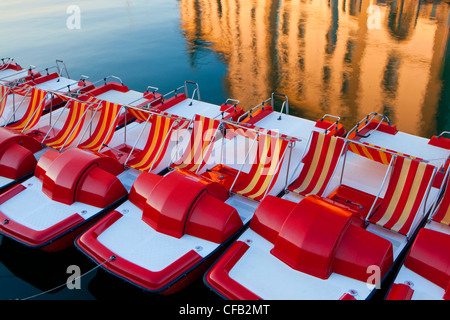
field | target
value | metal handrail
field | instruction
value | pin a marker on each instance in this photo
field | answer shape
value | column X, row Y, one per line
column 334, row 124
column 18, row 107
column 196, row 90
column 9, row 61
column 249, row 112
column 164, row 97
column 60, row 70
column 145, row 95
column 16, row 81
column 258, row 131
column 442, row 133
column 285, row 103
column 236, row 102
column 367, row 121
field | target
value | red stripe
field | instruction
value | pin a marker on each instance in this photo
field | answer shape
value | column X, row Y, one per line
column 404, row 195
column 320, row 166
column 307, row 160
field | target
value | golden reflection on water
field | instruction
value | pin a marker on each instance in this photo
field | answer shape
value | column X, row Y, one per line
column 342, row 57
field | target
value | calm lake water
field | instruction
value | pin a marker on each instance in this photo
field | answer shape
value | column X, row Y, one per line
column 341, row 57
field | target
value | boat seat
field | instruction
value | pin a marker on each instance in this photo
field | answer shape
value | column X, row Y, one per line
column 17, row 153
column 407, row 188
column 33, row 112
column 80, row 175
column 318, row 237
column 430, row 257
column 71, row 128
column 105, row 128
column 4, row 91
column 158, row 140
column 199, row 148
column 234, row 114
column 264, row 171
column 253, row 118
column 163, row 105
column 319, row 164
column 184, row 203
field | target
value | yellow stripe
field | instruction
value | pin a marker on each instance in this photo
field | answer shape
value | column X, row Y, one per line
column 24, row 122
column 34, row 104
column 255, row 179
column 268, row 178
column 326, row 166
column 70, row 127
column 3, row 98
column 366, row 153
column 411, row 197
column 197, row 140
column 313, row 167
column 397, row 193
column 94, row 144
column 384, row 158
column 353, row 148
column 74, row 127
column 152, row 146
column 157, row 128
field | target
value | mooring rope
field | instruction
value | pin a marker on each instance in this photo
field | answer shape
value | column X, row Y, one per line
column 79, row 277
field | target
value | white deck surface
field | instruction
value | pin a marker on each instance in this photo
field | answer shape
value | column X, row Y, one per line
column 41, row 213
column 134, row 240
column 10, row 75
column 130, row 97
column 206, row 109
column 262, row 273
column 58, row 84
column 423, row 288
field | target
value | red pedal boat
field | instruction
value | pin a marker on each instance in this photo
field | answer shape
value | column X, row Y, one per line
column 348, row 214
column 424, row 274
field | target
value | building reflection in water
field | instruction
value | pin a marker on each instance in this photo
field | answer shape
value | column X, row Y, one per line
column 343, row 57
